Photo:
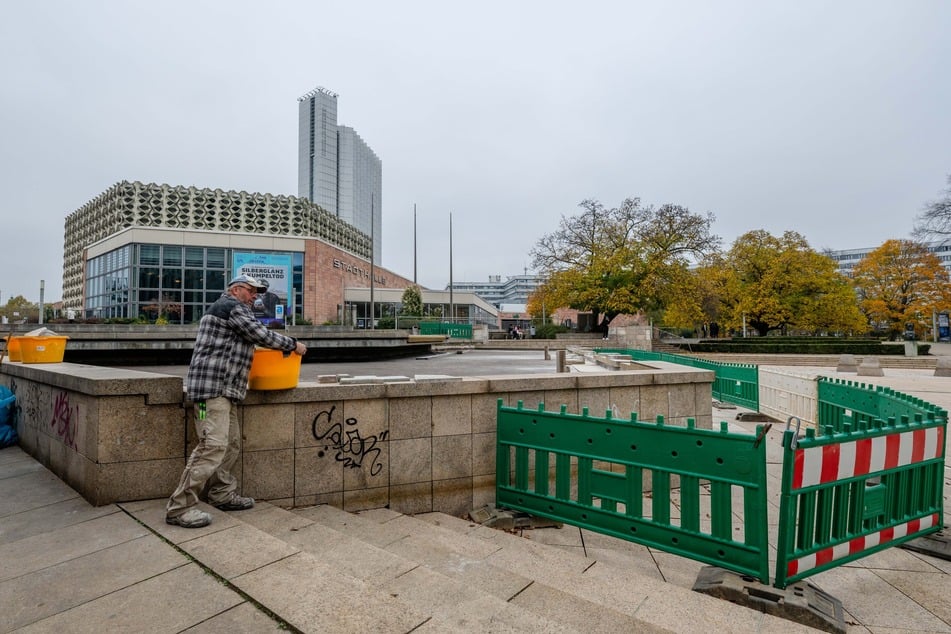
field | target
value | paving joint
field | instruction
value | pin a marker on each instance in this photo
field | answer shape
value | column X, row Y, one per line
column 281, row 623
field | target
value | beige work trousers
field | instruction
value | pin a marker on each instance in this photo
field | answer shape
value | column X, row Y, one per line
column 219, row 445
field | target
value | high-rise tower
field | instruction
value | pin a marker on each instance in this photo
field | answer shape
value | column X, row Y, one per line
column 337, row 170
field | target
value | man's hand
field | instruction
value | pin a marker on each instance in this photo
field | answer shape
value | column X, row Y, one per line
column 301, row 349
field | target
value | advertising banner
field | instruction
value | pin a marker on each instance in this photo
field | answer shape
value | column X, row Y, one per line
column 274, row 269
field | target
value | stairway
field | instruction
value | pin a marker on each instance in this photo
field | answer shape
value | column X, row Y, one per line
column 660, row 345
column 323, row 569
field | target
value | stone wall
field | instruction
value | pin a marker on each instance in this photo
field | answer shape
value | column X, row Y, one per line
column 417, row 446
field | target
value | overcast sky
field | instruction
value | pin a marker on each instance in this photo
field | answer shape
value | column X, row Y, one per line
column 832, row 119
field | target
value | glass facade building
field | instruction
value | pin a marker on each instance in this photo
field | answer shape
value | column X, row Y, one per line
column 337, row 170
column 174, row 282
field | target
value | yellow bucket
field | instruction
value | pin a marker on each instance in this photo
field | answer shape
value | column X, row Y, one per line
column 47, row 349
column 13, row 348
column 271, row 370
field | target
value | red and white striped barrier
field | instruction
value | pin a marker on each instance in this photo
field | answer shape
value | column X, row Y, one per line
column 840, row 461
column 859, row 544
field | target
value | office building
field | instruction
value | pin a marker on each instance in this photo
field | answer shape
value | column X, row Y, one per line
column 337, row 170
column 149, row 251
column 515, row 289
column 846, row 259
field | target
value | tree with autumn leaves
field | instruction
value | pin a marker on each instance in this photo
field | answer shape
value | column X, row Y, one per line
column 622, row 260
column 780, row 284
column 900, row 282
column 640, row 259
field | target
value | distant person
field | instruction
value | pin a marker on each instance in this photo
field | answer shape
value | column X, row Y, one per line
column 266, row 303
column 217, row 380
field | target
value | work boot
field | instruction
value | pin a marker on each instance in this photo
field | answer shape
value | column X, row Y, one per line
column 192, row 518
column 235, row 503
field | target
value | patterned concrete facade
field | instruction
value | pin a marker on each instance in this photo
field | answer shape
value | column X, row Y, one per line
column 134, row 204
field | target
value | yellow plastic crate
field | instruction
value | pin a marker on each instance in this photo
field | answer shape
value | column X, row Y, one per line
column 13, row 348
column 271, row 370
column 42, row 349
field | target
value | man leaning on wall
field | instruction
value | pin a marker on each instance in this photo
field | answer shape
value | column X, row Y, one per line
column 217, row 380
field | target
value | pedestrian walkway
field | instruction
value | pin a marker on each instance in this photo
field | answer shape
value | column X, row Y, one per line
column 66, row 566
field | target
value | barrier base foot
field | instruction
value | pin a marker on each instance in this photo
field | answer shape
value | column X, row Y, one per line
column 801, row 602
column 507, row 519
column 937, row 544
column 753, row 417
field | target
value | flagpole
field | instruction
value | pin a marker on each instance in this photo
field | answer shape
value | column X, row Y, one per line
column 372, row 274
column 452, row 307
column 414, row 243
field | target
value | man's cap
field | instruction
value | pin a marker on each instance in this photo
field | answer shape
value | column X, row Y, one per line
column 250, row 281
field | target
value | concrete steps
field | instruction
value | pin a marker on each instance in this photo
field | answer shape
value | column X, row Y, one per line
column 323, row 569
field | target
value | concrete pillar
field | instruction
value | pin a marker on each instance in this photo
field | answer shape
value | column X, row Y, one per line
column 870, row 367
column 562, row 361
column 847, row 363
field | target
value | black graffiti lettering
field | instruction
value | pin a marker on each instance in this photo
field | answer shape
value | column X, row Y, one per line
column 352, row 449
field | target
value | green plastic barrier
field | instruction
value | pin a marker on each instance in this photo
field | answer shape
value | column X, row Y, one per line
column 591, row 472
column 850, row 493
column 456, row 331
column 736, row 383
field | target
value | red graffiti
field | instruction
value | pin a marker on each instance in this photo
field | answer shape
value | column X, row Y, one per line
column 65, row 420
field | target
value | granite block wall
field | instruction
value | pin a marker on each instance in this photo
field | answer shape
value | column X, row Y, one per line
column 120, row 435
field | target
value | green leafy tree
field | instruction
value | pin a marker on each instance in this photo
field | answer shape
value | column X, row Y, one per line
column 19, row 308
column 412, row 302
column 899, row 282
column 782, row 283
column 626, row 259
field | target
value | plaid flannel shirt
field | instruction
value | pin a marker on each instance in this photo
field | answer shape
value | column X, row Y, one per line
column 224, row 348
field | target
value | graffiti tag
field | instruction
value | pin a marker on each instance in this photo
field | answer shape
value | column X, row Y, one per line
column 352, row 449
column 65, row 420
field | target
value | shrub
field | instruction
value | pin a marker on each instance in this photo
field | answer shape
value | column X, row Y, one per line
column 548, row 331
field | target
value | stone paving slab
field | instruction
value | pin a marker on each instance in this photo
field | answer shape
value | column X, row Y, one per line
column 170, row 602
column 48, row 549
column 241, row 619
column 364, row 528
column 274, row 520
column 237, row 550
column 315, row 597
column 874, row 603
column 350, row 555
column 152, row 514
column 50, row 517
column 453, row 603
column 32, row 489
column 43, row 593
column 576, row 612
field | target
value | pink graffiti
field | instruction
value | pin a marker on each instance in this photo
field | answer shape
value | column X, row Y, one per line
column 65, row 420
